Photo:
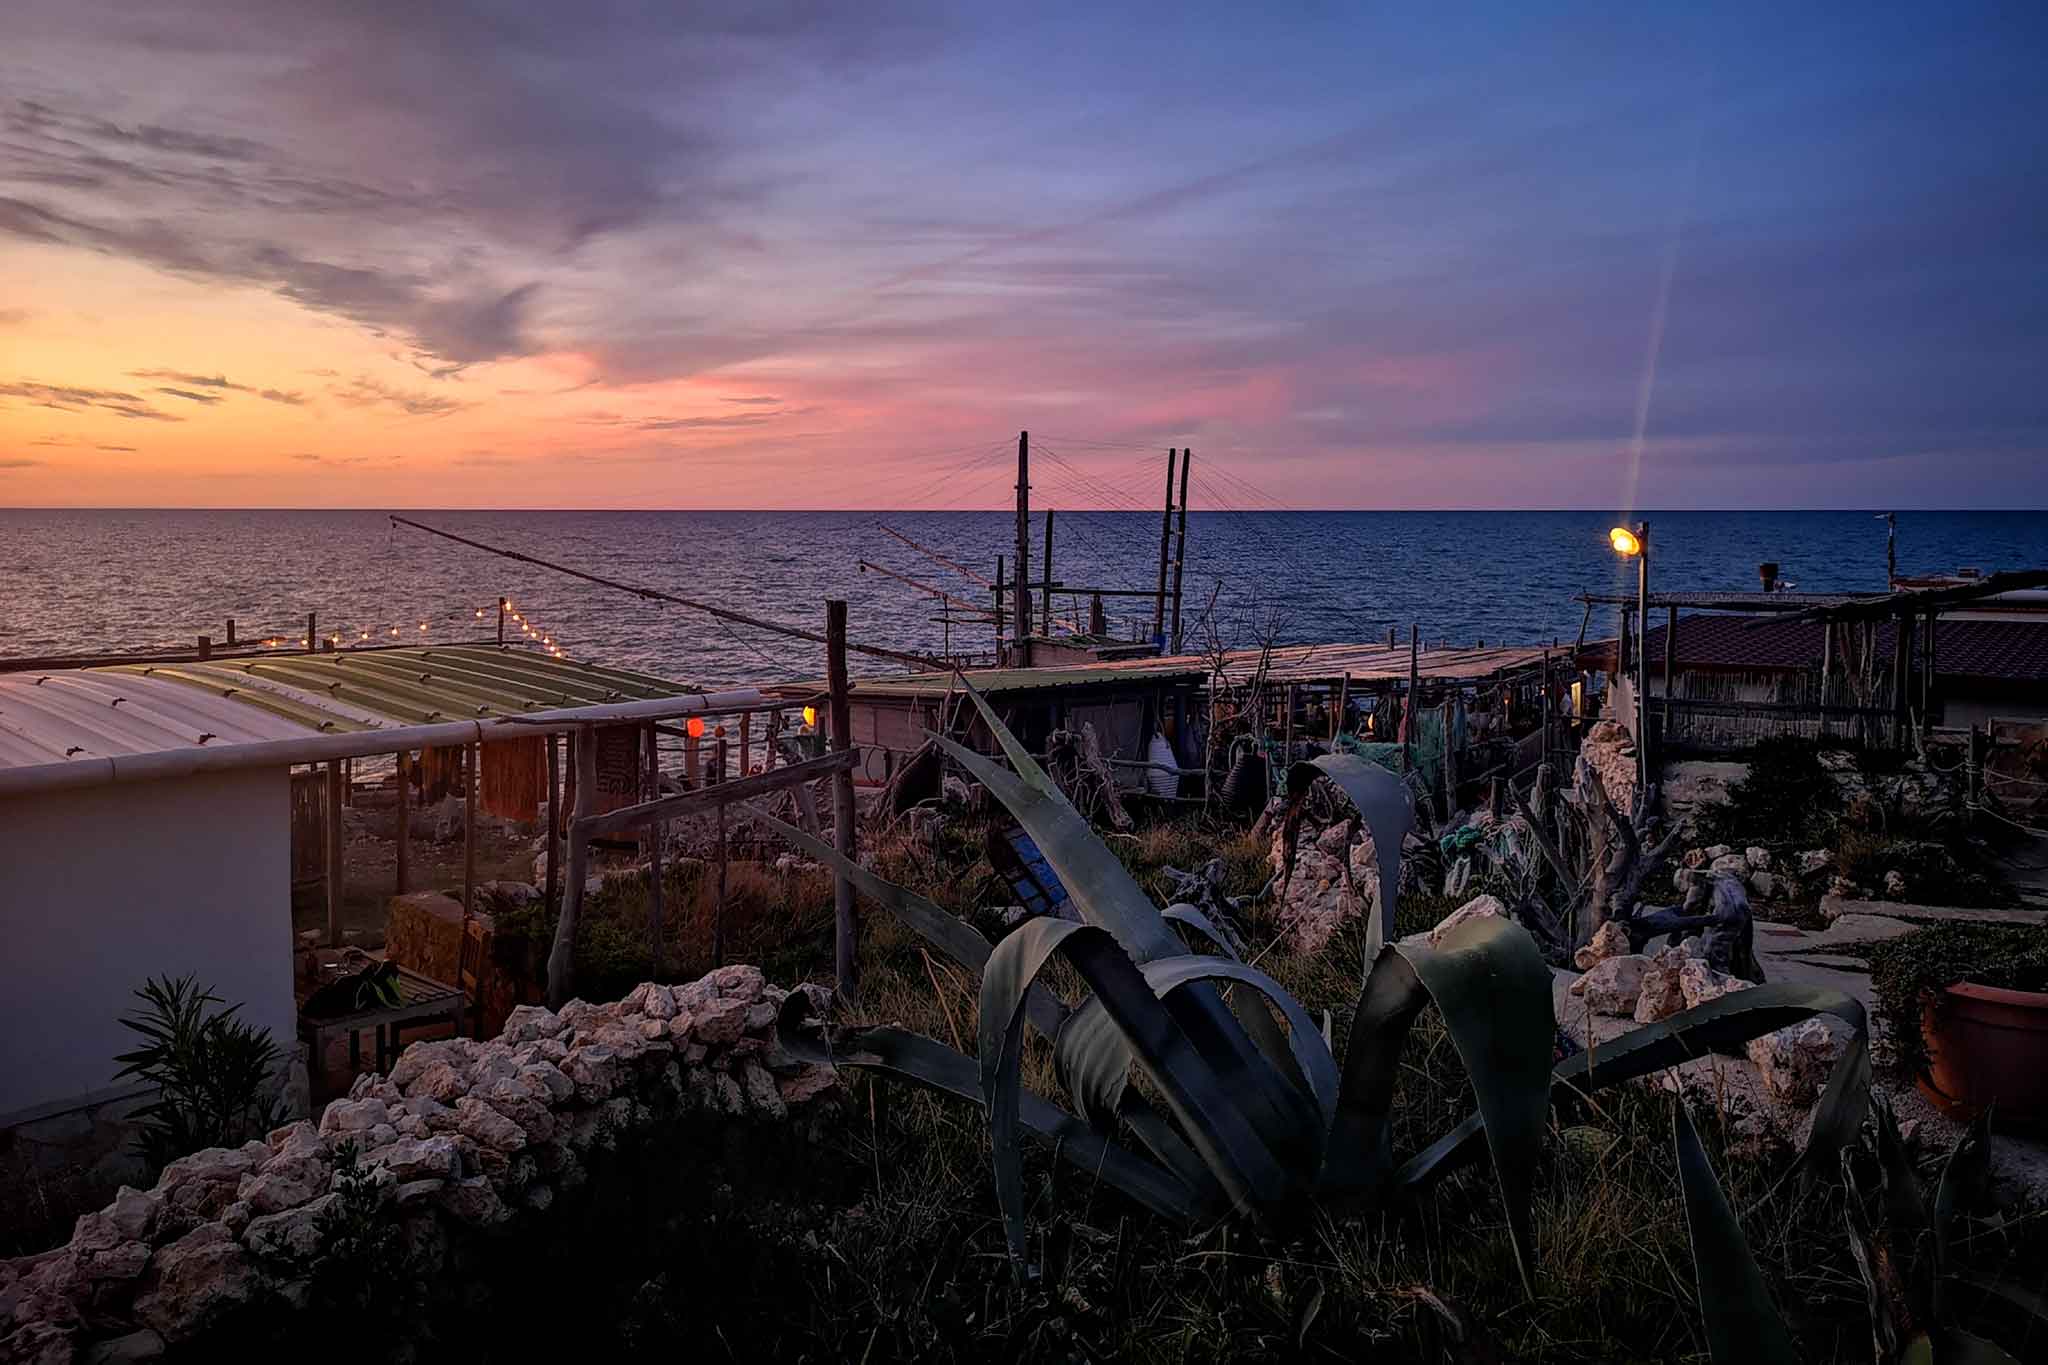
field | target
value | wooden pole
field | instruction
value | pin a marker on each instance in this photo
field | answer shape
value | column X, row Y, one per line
column 561, row 958
column 335, row 878
column 999, row 609
column 501, row 620
column 1408, row 703
column 845, row 930
column 654, row 840
column 1180, row 544
column 1023, row 563
column 773, row 740
column 231, row 632
column 1337, row 716
column 718, row 905
column 206, row 646
column 1450, row 759
column 746, row 746
column 470, row 753
column 404, row 832
column 1165, row 544
column 1287, row 700
column 1045, row 589
column 312, row 637
column 554, row 822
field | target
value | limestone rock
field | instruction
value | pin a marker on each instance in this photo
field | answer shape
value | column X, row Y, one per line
column 721, row 1021
column 1895, row 883
column 1699, row 983
column 487, row 1127
column 458, row 1053
column 1795, row 1061
column 1730, row 865
column 194, row 1281
column 473, row 1201
column 284, row 1182
column 133, row 1213
column 1759, row 859
column 1661, row 996
column 1613, row 986
column 1814, row 860
column 410, row 1159
column 1765, row 884
column 354, row 1116
column 1609, row 940
column 292, row 1235
column 1479, row 907
column 530, row 1023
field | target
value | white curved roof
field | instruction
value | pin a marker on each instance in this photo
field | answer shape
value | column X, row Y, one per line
column 52, row 717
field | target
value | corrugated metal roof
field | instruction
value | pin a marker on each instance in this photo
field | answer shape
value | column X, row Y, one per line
column 52, row 717
column 138, row 708
column 414, row 685
column 1366, row 663
column 2001, row 650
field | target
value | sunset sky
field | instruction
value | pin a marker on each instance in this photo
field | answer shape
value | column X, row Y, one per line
column 760, row 255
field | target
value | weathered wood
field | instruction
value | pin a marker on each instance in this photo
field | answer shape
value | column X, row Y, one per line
column 1023, row 621
column 718, row 904
column 469, row 784
column 556, row 823
column 844, row 926
column 654, row 841
column 1165, row 545
column 561, row 958
column 336, row 876
column 1408, row 703
column 1337, row 716
column 1045, row 604
column 708, row 798
column 746, row 743
column 404, row 831
column 1180, row 545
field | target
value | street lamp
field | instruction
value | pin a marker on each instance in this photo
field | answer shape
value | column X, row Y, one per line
column 1635, row 544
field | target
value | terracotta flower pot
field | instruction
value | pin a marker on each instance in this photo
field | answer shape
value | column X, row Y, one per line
column 1988, row 1045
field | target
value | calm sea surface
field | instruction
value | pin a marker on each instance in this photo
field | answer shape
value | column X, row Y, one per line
column 101, row 581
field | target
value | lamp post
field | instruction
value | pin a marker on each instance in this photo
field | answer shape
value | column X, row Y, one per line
column 1635, row 544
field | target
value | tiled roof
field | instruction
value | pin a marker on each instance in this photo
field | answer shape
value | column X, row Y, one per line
column 2002, row 650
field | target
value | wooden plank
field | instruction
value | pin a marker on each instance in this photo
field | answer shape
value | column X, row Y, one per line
column 555, row 822
column 710, row 798
column 404, row 831
column 561, row 958
column 469, row 786
column 335, row 874
column 845, row 929
column 654, row 891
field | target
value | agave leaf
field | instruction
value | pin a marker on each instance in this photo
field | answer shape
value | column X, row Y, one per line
column 1100, row 887
column 944, row 930
column 1489, row 980
column 931, row 1064
column 1170, row 1150
column 1382, row 798
column 1954, row 1346
column 1310, row 1054
column 1736, row 1018
column 1447, row 1154
column 1250, row 1011
column 1094, row 1063
column 1743, row 1328
column 1108, row 898
column 2021, row 1312
column 1963, row 1177
column 1157, row 1033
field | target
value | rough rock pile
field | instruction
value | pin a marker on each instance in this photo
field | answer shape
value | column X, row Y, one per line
column 462, row 1139
column 1611, row 752
column 1333, row 880
column 1750, row 866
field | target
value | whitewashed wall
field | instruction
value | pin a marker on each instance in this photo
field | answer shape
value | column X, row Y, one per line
column 105, row 886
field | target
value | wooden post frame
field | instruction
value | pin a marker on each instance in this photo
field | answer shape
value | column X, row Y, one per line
column 845, row 930
column 655, row 908
column 404, row 830
column 561, row 965
column 336, row 878
column 469, row 786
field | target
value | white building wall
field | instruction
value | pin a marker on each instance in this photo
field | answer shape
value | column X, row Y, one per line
column 105, row 886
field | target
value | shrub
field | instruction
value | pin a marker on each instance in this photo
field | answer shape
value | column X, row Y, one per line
column 1916, row 966
column 212, row 1071
column 1787, row 797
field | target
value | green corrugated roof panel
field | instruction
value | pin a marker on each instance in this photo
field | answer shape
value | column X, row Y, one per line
column 352, row 689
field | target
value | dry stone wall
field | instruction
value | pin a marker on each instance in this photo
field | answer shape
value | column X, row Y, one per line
column 463, row 1140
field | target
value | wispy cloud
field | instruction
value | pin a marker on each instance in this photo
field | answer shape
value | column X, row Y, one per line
column 192, row 397
column 364, row 391
column 15, row 463
column 72, row 398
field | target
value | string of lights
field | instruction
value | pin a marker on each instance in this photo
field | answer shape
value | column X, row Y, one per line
column 382, row 635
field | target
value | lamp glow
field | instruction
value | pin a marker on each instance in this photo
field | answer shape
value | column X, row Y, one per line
column 810, row 715
column 696, row 727
column 1625, row 542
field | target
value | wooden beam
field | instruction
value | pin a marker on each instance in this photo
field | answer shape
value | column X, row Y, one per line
column 845, row 929
column 561, row 958
column 654, row 891
column 718, row 903
column 708, row 798
column 470, row 753
column 404, row 832
column 555, row 822
column 335, row 877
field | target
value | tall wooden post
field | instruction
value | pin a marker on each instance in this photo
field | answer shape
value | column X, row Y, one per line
column 1165, row 543
column 470, row 753
column 561, row 958
column 654, row 841
column 845, row 930
column 312, row 636
column 404, row 831
column 1045, row 602
column 1408, row 704
column 1023, row 538
column 1180, row 544
column 1337, row 716
column 554, row 822
column 999, row 610
column 231, row 632
column 501, row 620
column 718, row 905
column 335, row 877
column 746, row 745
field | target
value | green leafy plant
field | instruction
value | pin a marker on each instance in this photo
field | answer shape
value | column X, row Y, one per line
column 1914, row 969
column 365, row 1267
column 1242, row 1106
column 213, row 1071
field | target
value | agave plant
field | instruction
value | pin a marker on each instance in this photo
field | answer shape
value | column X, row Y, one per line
column 1256, row 1115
